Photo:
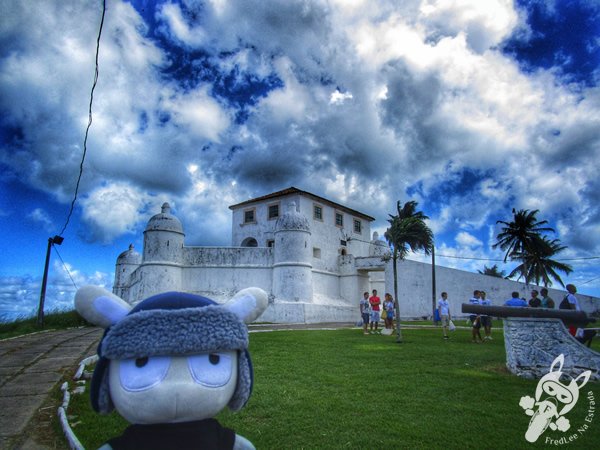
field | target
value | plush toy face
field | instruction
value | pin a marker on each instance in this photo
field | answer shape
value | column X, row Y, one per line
column 173, row 389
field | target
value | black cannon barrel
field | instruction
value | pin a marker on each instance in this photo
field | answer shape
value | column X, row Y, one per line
column 568, row 316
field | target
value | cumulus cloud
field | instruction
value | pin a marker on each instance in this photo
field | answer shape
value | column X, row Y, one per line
column 20, row 295
column 364, row 102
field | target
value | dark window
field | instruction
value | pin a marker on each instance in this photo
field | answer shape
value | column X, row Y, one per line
column 270, row 243
column 273, row 211
column 318, row 212
column 339, row 219
column 357, row 226
column 249, row 216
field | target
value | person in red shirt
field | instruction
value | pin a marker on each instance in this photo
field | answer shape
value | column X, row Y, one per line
column 375, row 310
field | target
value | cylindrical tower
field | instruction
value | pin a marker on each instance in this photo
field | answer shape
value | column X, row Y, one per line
column 292, row 263
column 378, row 247
column 161, row 267
column 163, row 237
column 127, row 263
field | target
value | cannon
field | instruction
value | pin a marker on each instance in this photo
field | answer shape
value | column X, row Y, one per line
column 535, row 337
column 568, row 316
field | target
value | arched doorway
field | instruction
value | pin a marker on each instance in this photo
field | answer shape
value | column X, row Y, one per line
column 249, row 242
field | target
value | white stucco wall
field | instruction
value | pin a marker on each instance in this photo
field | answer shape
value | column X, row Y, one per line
column 415, row 291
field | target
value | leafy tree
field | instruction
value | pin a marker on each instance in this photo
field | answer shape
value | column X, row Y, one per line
column 537, row 265
column 407, row 232
column 493, row 271
column 521, row 237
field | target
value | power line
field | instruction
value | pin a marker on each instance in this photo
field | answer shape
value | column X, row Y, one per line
column 65, row 266
column 89, row 122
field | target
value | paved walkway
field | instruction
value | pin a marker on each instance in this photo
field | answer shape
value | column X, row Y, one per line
column 30, row 367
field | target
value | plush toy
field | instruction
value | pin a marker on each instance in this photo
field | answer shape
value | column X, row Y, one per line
column 170, row 364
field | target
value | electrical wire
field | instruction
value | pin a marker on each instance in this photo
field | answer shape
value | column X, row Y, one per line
column 65, row 266
column 89, row 122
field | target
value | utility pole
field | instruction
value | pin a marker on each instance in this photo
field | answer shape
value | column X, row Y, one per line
column 40, row 316
column 433, row 287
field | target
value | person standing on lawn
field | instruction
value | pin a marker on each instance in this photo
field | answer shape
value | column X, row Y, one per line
column 572, row 303
column 444, row 312
column 515, row 301
column 475, row 318
column 365, row 311
column 375, row 310
column 486, row 321
column 388, row 307
column 547, row 301
column 534, row 301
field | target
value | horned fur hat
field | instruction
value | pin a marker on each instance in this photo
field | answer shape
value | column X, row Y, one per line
column 170, row 324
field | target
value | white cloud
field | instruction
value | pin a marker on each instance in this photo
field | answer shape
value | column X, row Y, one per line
column 465, row 239
column 40, row 216
column 114, row 210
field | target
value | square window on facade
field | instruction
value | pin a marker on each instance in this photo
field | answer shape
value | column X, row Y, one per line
column 249, row 216
column 270, row 243
column 316, row 252
column 339, row 219
column 357, row 226
column 318, row 212
column 273, row 211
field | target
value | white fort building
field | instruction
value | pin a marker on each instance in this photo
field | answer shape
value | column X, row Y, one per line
column 313, row 256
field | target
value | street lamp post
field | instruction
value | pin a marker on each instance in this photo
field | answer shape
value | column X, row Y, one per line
column 40, row 316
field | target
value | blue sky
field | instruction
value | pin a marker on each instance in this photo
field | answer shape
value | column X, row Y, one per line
column 471, row 108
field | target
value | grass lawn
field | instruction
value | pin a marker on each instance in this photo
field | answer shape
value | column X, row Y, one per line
column 342, row 389
column 54, row 319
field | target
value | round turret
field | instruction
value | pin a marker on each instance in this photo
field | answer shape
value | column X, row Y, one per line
column 163, row 237
column 292, row 257
column 164, row 221
column 378, row 247
column 127, row 263
column 292, row 220
column 129, row 256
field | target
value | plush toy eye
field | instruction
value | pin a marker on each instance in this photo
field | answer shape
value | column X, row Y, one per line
column 212, row 370
column 141, row 362
column 143, row 373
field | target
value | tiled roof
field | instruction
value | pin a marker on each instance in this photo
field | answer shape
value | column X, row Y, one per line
column 292, row 190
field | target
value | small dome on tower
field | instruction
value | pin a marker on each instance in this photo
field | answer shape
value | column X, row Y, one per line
column 129, row 256
column 164, row 221
column 292, row 220
column 378, row 247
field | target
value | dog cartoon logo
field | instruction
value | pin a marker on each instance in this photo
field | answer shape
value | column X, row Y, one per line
column 553, row 399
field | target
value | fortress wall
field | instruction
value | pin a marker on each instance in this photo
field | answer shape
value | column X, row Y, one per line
column 221, row 283
column 326, row 285
column 228, row 256
column 415, row 295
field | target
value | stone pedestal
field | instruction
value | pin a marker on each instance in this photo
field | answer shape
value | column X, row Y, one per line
column 532, row 344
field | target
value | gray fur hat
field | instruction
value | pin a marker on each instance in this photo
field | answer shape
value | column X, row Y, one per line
column 173, row 324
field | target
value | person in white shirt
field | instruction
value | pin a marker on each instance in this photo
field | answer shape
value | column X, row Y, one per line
column 444, row 312
column 365, row 311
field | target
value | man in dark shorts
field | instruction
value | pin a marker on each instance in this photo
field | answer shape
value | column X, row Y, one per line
column 475, row 319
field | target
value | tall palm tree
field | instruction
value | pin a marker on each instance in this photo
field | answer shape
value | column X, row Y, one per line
column 521, row 236
column 493, row 271
column 537, row 265
column 407, row 232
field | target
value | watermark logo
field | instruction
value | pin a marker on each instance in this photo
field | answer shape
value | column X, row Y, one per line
column 553, row 400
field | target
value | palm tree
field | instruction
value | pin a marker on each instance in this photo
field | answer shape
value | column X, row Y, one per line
column 493, row 271
column 538, row 266
column 521, row 237
column 407, row 231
